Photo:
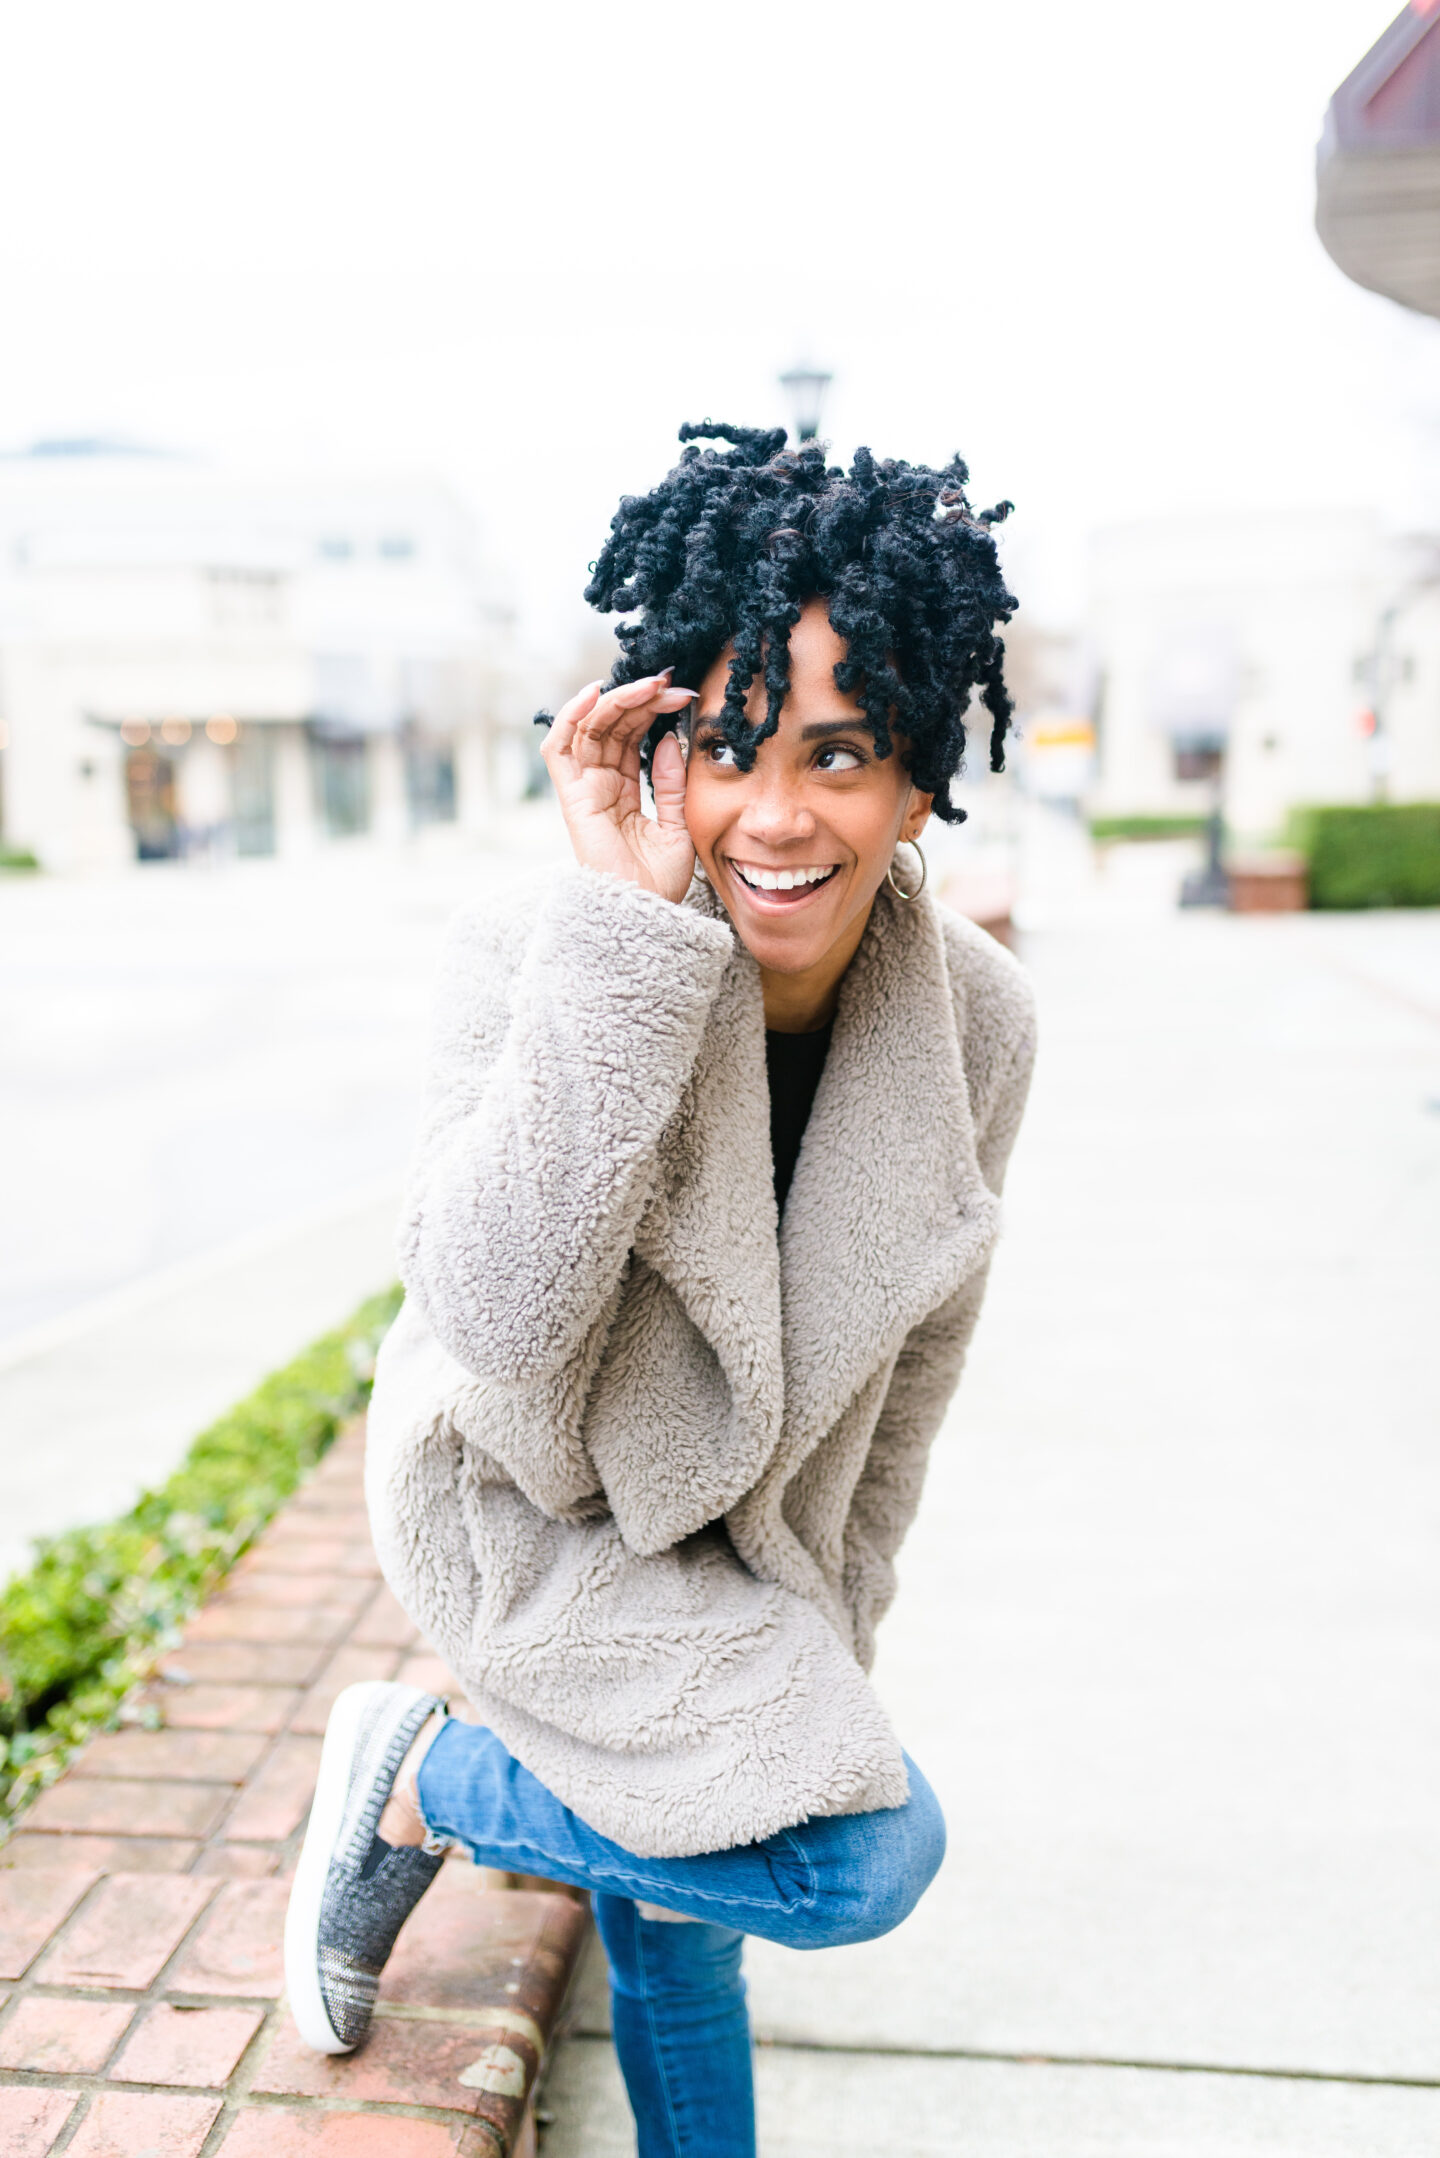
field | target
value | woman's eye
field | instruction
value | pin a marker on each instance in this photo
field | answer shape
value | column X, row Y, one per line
column 838, row 759
column 718, row 752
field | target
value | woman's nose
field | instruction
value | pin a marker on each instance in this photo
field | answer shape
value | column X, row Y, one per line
column 775, row 812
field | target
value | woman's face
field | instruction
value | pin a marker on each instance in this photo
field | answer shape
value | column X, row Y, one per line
column 819, row 810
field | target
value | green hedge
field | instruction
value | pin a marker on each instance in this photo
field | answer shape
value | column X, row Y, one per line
column 100, row 1604
column 1385, row 855
column 1146, row 827
column 17, row 858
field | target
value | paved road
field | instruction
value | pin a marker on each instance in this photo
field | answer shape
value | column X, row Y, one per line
column 1166, row 1642
column 208, row 1089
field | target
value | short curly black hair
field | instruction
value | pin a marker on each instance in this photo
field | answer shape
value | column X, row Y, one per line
column 731, row 544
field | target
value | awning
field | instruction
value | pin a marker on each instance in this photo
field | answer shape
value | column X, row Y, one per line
column 1377, row 207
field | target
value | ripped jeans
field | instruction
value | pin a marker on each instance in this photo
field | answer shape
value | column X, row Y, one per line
column 682, row 2032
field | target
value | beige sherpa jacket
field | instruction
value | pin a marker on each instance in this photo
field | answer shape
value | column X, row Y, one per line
column 638, row 1467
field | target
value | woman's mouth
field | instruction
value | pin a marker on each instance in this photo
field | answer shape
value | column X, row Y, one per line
column 781, row 889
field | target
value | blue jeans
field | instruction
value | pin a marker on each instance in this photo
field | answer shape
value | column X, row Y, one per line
column 681, row 2028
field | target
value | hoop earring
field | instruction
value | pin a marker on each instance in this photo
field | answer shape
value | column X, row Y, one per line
column 924, row 872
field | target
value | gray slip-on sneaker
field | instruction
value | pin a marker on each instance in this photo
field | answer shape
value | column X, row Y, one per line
column 353, row 1893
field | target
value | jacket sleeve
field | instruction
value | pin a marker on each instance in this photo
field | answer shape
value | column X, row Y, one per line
column 927, row 1370
column 550, row 1084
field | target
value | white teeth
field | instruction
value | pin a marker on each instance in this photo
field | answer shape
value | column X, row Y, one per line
column 782, row 880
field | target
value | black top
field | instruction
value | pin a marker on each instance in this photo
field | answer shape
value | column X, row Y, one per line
column 794, row 1063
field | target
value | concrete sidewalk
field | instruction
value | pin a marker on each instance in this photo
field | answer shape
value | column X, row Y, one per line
column 1166, row 1641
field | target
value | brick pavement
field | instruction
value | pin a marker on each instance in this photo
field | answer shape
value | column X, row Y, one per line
column 142, row 1902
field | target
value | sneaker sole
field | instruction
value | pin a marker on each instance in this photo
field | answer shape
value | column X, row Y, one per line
column 302, row 1918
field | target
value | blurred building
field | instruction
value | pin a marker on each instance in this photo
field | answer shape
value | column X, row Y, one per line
column 1271, row 660
column 199, row 662
column 1377, row 203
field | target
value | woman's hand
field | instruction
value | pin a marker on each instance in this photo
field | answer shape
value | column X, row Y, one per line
column 592, row 754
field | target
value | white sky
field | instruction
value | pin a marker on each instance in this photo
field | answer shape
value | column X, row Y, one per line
column 518, row 245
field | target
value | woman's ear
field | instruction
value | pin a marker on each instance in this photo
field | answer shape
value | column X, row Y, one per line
column 917, row 816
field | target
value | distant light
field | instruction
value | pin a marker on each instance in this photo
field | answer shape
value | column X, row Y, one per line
column 1061, row 734
column 175, row 731
column 222, row 731
column 134, row 732
column 806, row 387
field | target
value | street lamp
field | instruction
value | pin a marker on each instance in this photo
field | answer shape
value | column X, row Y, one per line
column 806, row 387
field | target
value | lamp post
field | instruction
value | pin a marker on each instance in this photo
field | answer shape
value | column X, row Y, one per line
column 805, row 387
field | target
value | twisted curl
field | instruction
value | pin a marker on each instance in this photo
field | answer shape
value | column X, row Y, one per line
column 732, row 543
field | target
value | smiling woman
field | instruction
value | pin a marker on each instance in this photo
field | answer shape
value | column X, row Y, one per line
column 837, row 625
column 695, row 1243
column 798, row 846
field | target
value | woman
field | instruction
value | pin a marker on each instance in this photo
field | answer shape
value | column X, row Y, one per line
column 695, row 1242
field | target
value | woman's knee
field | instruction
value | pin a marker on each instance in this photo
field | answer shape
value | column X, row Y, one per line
column 891, row 1865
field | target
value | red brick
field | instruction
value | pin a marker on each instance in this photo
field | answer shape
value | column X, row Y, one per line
column 30, row 2120
column 338, row 1523
column 127, row 1932
column 188, row 1756
column 105, row 1806
column 323, row 1506
column 225, row 1708
column 107, row 1854
column 195, row 2047
column 336, row 1558
column 342, row 1470
column 465, row 1943
column 276, row 2132
column 425, row 1669
column 239, row 1861
column 345, row 1455
column 344, row 1668
column 239, row 1948
column 63, row 2038
column 281, row 1590
column 309, row 1622
column 125, row 2124
column 405, row 2061
column 33, row 1901
column 242, row 1663
column 274, row 1805
column 384, row 1624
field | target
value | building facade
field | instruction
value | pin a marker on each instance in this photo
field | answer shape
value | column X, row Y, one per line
column 1264, row 661
column 199, row 663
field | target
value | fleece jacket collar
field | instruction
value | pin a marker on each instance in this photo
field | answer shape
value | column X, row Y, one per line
column 887, row 1177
